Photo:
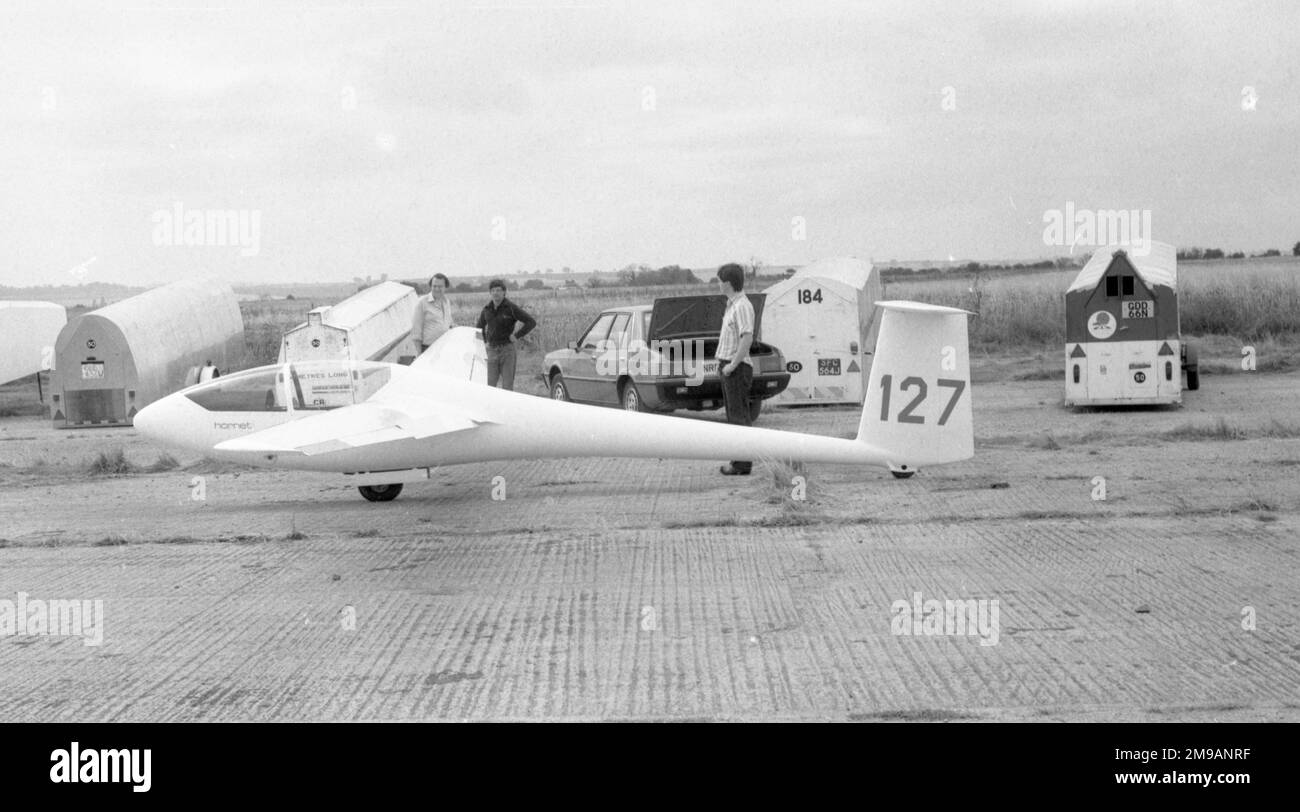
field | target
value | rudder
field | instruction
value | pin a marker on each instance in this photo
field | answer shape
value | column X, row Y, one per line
column 918, row 405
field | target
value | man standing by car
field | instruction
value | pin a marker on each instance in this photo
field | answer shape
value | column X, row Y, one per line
column 432, row 313
column 497, row 321
column 735, row 367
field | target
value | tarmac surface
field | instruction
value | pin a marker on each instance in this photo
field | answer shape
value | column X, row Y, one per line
column 606, row 589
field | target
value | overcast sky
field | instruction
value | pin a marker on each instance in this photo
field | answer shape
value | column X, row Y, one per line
column 525, row 134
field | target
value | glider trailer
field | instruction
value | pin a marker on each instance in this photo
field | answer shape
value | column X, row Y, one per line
column 1123, row 345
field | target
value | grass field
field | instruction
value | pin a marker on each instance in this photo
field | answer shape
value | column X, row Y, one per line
column 561, row 316
column 1018, row 331
column 1251, row 301
column 1227, row 303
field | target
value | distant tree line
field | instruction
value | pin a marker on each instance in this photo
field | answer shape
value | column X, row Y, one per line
column 894, row 271
column 645, row 276
column 640, row 275
column 1217, row 253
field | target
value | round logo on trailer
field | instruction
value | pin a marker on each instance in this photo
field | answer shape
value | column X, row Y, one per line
column 1139, row 377
column 793, row 366
column 1101, row 325
column 90, row 343
column 315, row 342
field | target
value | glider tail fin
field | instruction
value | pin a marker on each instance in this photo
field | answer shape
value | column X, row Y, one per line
column 918, row 405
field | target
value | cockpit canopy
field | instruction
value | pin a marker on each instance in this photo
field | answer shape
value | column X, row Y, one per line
column 304, row 385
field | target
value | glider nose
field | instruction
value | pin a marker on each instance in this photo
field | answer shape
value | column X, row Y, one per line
column 164, row 422
column 147, row 420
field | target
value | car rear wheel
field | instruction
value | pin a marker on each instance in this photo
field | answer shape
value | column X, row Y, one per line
column 631, row 398
column 380, row 493
column 559, row 391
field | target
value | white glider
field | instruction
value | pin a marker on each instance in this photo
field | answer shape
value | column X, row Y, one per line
column 388, row 424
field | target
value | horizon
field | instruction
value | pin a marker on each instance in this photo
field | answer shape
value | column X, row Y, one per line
column 957, row 266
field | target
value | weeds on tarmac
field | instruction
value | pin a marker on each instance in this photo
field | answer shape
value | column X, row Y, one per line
column 110, row 463
column 165, row 462
column 1220, row 429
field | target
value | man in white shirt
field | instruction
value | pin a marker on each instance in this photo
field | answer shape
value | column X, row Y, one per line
column 735, row 366
column 432, row 314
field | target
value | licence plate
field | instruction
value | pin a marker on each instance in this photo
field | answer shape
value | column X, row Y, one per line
column 1137, row 310
column 828, row 366
column 710, row 367
column 89, row 371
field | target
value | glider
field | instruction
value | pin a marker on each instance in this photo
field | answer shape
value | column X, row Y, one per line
column 386, row 424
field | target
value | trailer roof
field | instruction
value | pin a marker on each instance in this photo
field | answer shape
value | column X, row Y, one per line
column 30, row 305
column 1159, row 266
column 851, row 271
column 362, row 305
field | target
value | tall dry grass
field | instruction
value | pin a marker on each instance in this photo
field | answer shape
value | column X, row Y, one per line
column 1248, row 300
column 561, row 314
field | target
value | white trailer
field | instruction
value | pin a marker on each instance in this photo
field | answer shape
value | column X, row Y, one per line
column 1123, row 345
column 112, row 362
column 372, row 325
column 30, row 330
column 822, row 319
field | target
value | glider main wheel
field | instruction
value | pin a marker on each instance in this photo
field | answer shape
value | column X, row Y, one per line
column 631, row 398
column 380, row 493
column 755, row 406
column 559, row 390
column 902, row 474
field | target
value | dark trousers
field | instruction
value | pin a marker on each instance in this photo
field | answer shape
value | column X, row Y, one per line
column 735, row 394
column 501, row 365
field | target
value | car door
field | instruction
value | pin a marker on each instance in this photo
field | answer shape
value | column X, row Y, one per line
column 580, row 373
column 611, row 364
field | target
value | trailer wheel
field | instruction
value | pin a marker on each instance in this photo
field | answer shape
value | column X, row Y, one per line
column 902, row 474
column 380, row 493
column 1192, row 368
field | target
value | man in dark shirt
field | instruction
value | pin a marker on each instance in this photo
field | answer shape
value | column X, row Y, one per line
column 497, row 321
